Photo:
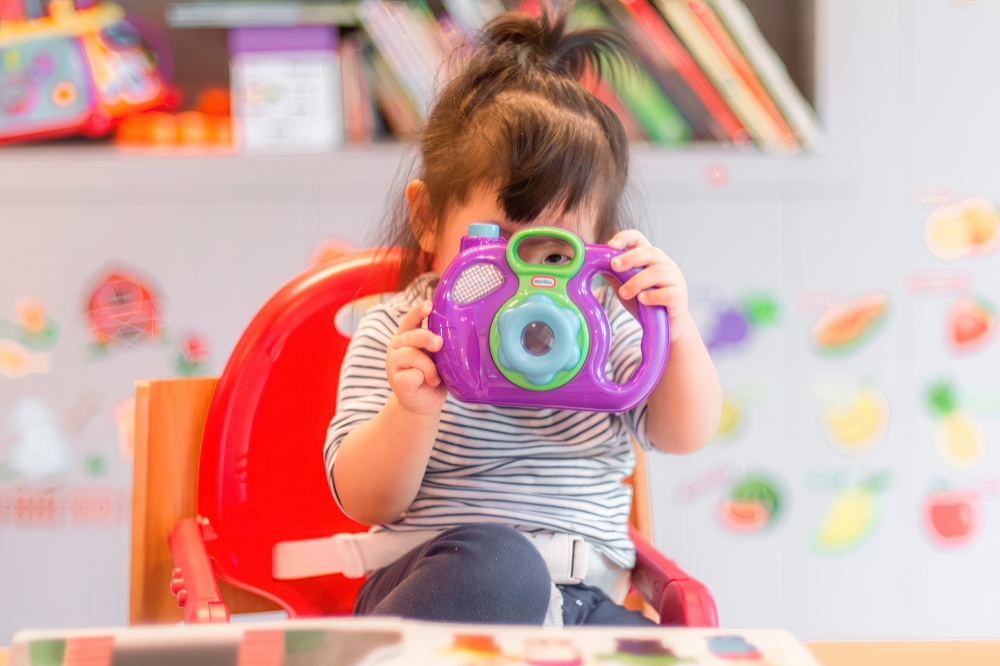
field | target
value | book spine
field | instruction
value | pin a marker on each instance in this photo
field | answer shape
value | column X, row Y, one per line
column 717, row 31
column 670, row 48
column 744, row 31
column 662, row 75
column 644, row 100
column 721, row 73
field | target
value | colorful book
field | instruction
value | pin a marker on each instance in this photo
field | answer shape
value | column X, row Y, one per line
column 772, row 72
column 359, row 121
column 646, row 102
column 397, row 108
column 717, row 31
column 723, row 76
column 678, row 73
column 603, row 91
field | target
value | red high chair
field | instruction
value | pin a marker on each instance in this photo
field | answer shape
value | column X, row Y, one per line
column 229, row 467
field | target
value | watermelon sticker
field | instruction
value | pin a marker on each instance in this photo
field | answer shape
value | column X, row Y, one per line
column 753, row 503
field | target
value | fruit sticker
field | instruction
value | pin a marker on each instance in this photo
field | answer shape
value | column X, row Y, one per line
column 854, row 415
column 851, row 516
column 951, row 516
column 24, row 343
column 124, row 415
column 731, row 419
column 971, row 323
column 970, row 228
column 730, row 324
column 958, row 435
column 753, row 504
column 123, row 310
column 845, row 326
column 191, row 360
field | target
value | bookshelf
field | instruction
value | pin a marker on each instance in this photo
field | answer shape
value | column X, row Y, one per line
column 197, row 32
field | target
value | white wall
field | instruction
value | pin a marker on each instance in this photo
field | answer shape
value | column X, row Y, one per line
column 906, row 94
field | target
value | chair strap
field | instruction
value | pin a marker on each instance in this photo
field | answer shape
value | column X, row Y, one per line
column 570, row 559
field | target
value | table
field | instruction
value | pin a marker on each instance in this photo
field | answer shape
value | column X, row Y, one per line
column 910, row 653
column 880, row 653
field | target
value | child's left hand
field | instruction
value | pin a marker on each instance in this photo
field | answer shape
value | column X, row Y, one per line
column 660, row 282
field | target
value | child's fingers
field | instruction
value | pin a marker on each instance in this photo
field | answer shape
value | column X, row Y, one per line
column 412, row 319
column 659, row 275
column 673, row 297
column 627, row 239
column 410, row 358
column 639, row 257
column 408, row 381
column 419, row 338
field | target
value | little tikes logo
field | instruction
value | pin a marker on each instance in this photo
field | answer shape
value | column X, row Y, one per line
column 543, row 281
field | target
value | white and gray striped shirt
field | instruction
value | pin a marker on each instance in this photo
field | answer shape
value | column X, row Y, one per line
column 533, row 469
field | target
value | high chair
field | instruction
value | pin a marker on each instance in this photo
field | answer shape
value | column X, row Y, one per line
column 226, row 468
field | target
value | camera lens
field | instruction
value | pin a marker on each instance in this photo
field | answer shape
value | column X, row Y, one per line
column 537, row 338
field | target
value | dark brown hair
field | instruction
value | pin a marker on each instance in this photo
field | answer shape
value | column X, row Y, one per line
column 517, row 118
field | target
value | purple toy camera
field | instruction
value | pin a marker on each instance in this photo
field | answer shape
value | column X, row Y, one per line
column 532, row 334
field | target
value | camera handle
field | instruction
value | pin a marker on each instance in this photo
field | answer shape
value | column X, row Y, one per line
column 653, row 319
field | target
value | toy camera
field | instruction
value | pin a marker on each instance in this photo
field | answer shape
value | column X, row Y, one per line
column 533, row 334
column 74, row 71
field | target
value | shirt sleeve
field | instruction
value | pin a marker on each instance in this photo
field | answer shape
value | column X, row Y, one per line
column 363, row 389
column 624, row 357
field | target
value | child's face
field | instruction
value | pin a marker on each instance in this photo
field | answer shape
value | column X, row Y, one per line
column 483, row 206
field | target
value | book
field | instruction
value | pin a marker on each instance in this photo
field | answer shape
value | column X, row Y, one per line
column 603, row 91
column 646, row 103
column 401, row 118
column 717, row 31
column 359, row 122
column 677, row 72
column 723, row 75
column 772, row 72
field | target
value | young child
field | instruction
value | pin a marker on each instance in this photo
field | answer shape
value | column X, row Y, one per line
column 469, row 499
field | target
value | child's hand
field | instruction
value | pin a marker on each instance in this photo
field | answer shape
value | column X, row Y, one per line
column 411, row 371
column 660, row 282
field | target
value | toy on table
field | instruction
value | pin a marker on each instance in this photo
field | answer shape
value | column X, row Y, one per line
column 534, row 334
column 79, row 69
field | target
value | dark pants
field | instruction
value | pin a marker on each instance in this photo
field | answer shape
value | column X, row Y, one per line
column 483, row 573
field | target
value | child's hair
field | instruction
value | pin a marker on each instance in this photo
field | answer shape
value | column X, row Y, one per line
column 517, row 118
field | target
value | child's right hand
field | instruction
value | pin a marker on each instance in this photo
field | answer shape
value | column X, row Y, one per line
column 411, row 371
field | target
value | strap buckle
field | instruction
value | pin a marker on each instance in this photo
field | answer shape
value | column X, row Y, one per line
column 565, row 556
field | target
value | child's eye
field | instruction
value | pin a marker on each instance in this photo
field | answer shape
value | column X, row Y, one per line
column 557, row 259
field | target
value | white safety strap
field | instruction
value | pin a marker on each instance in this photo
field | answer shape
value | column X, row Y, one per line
column 570, row 559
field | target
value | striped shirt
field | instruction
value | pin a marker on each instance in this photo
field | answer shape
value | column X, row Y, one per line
column 533, row 469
